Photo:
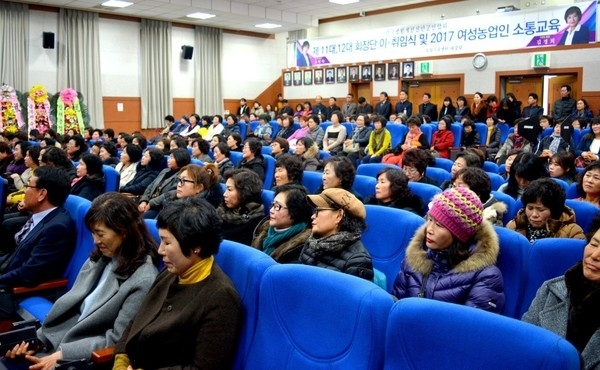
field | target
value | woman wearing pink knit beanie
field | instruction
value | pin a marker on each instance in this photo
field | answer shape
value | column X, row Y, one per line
column 452, row 257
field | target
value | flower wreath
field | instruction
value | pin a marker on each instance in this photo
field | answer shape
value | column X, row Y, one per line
column 68, row 112
column 11, row 120
column 38, row 109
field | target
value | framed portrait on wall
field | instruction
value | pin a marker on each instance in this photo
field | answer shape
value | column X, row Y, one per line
column 318, row 80
column 297, row 78
column 330, row 75
column 379, row 72
column 341, row 75
column 393, row 71
column 353, row 76
column 408, row 69
column 366, row 73
column 308, row 77
column 287, row 78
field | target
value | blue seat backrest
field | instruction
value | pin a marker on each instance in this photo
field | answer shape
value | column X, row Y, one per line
column 438, row 174
column 563, row 184
column 275, row 127
column 243, row 130
column 425, row 191
column 572, row 191
column 482, row 129
column 324, row 125
column 111, row 179
column 444, row 163
column 576, row 135
column 372, row 169
column 245, row 266
column 388, row 232
column 253, row 125
column 3, row 195
column 490, row 167
column 585, row 213
column 496, row 180
column 457, row 132
column 197, row 162
column 428, row 132
column 269, row 171
column 501, row 168
column 398, row 132
column 320, row 319
column 323, row 155
column 465, row 330
column 266, row 149
column 511, row 210
column 266, row 198
column 547, row 132
column 349, row 128
column 312, row 180
column 503, row 127
column 549, row 258
column 235, row 157
column 365, row 186
column 512, row 262
column 84, row 244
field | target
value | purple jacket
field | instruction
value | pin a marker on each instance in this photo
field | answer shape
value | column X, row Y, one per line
column 474, row 282
column 16, row 167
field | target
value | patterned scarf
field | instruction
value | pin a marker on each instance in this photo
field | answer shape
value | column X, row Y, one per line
column 242, row 214
column 332, row 243
column 534, row 234
column 554, row 144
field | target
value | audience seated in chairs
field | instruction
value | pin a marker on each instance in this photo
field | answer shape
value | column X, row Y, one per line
column 568, row 305
column 41, row 249
column 452, row 257
column 108, row 154
column 562, row 166
column 283, row 233
column 544, row 213
column 253, row 159
column 150, row 165
column 54, row 156
column 443, row 138
column 222, row 152
column 356, row 144
column 525, row 168
column 380, row 141
column 32, row 161
column 288, row 170
column 204, row 319
column 335, row 243
column 89, row 182
column 278, row 147
column 166, row 181
column 108, row 291
column 127, row 167
column 464, row 159
column 241, row 209
column 414, row 165
column 339, row 172
column 200, row 149
column 315, row 132
column 392, row 191
column 478, row 181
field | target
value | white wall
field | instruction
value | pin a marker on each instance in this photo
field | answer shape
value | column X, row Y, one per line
column 43, row 63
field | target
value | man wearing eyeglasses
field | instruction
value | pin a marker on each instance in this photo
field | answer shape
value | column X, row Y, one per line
column 43, row 246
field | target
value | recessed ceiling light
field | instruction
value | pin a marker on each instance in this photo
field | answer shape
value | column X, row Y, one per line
column 117, row 4
column 343, row 2
column 200, row 15
column 268, row 25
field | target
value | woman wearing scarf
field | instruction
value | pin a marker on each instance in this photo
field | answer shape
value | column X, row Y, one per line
column 380, row 140
column 552, row 144
column 283, row 233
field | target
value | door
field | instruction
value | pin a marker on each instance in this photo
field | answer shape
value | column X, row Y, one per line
column 526, row 86
column 438, row 89
column 361, row 89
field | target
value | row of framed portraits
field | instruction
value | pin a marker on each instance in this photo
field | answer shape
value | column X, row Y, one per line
column 358, row 73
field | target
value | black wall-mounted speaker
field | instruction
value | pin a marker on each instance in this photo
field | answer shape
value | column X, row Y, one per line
column 187, row 51
column 48, row 40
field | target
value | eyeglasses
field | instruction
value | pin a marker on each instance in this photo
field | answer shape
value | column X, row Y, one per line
column 319, row 209
column 181, row 181
column 410, row 170
column 278, row 207
column 31, row 186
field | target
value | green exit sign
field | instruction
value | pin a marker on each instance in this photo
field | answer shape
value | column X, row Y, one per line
column 425, row 68
column 540, row 60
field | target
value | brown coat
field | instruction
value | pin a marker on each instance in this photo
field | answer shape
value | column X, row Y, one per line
column 565, row 227
column 286, row 252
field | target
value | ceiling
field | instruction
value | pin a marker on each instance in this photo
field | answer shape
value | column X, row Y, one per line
column 234, row 14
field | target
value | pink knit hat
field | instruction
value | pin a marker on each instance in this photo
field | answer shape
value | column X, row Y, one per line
column 459, row 210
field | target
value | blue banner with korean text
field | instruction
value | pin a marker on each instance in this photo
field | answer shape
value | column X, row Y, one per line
column 547, row 27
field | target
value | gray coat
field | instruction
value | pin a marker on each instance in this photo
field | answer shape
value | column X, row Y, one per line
column 105, row 322
column 171, row 184
column 550, row 310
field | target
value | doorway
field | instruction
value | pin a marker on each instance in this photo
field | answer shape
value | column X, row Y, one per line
column 438, row 88
column 361, row 89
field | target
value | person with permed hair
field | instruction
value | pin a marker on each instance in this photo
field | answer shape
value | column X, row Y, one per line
column 285, row 230
column 525, row 168
column 288, row 170
column 478, row 181
column 544, row 213
column 392, row 191
column 205, row 315
column 252, row 158
column 148, row 168
column 452, row 258
column 241, row 209
column 89, row 182
column 414, row 165
column 588, row 184
column 339, row 172
column 108, row 154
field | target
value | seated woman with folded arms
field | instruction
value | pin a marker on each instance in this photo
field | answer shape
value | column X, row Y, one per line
column 108, row 291
column 192, row 315
column 568, row 305
column 149, row 166
column 392, row 191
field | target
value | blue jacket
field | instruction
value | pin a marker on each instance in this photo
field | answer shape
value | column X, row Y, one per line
column 474, row 282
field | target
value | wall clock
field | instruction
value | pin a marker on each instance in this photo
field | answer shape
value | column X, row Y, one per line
column 479, row 61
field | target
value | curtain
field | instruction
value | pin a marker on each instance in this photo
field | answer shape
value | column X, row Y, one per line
column 207, row 64
column 14, row 50
column 157, row 81
column 79, row 59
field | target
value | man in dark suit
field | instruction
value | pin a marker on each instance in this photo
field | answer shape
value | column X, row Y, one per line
column 393, row 72
column 532, row 109
column 243, row 109
column 329, row 76
column 332, row 107
column 286, row 109
column 404, row 106
column 428, row 108
column 44, row 245
column 366, row 73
